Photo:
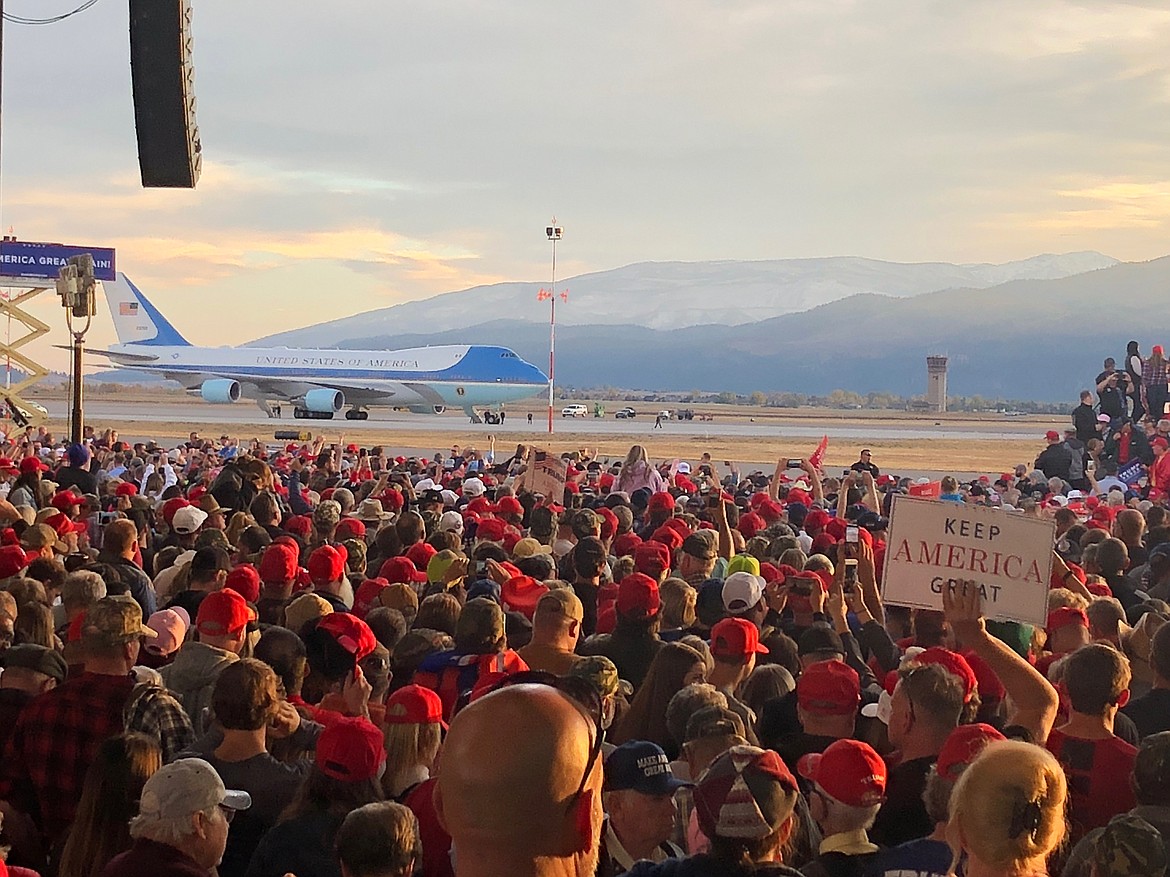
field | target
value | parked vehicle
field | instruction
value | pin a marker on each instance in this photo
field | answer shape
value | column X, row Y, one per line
column 626, row 413
column 574, row 411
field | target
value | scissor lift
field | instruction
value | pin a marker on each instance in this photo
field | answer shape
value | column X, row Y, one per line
column 16, row 406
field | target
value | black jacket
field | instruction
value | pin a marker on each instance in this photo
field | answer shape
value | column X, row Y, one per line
column 1084, row 419
column 1055, row 461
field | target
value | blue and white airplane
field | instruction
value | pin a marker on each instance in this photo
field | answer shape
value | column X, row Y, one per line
column 318, row 383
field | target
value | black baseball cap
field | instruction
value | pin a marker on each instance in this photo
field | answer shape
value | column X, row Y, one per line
column 641, row 766
column 36, row 658
column 819, row 638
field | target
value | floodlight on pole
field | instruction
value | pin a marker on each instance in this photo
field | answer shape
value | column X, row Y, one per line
column 554, row 233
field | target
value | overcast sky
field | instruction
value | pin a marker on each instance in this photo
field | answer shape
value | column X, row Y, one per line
column 359, row 153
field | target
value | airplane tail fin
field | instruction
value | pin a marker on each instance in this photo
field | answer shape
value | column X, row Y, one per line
column 136, row 320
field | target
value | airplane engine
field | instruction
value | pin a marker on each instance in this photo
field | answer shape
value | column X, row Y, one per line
column 220, row 391
column 427, row 409
column 324, row 401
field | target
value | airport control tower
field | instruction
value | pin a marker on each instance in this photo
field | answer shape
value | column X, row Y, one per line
column 936, row 383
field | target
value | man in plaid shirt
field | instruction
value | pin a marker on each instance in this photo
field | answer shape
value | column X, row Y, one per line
column 58, row 733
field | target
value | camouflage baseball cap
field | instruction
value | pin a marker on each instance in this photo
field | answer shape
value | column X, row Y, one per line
column 1129, row 845
column 602, row 672
column 114, row 621
column 586, row 522
column 327, row 513
column 1151, row 768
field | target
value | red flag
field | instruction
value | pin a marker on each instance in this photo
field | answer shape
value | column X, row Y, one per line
column 817, row 457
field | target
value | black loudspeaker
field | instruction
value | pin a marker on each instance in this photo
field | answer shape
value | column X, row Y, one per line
column 164, row 93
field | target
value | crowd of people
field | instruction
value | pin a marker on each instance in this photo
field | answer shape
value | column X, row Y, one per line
column 249, row 660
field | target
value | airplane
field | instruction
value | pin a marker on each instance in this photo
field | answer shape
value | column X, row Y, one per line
column 319, row 382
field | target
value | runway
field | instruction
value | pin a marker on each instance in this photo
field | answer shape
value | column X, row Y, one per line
column 902, row 443
column 517, row 428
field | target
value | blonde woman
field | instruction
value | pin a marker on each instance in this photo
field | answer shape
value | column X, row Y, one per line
column 414, row 731
column 1007, row 812
column 638, row 473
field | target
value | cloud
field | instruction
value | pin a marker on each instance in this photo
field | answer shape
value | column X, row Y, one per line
column 394, row 151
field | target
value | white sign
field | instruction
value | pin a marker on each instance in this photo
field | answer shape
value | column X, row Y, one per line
column 546, row 476
column 931, row 545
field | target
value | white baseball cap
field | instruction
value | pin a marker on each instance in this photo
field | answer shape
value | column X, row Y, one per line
column 742, row 591
column 451, row 521
column 473, row 487
column 184, row 787
column 188, row 519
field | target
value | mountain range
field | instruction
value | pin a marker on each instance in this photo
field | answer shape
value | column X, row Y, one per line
column 674, row 295
column 1030, row 337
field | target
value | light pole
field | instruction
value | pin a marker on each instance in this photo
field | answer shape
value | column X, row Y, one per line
column 75, row 285
column 554, row 233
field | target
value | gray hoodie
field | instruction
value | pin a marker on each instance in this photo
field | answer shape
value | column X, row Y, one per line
column 191, row 679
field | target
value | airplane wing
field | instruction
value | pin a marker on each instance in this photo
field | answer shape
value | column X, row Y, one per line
column 289, row 390
column 114, row 354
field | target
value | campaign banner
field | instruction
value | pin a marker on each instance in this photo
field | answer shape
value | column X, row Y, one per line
column 1132, row 472
column 933, row 545
column 28, row 259
column 545, row 475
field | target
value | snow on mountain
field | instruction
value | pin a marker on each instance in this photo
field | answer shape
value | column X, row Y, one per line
column 673, row 295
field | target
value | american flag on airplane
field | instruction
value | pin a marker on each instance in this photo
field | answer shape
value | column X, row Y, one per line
column 128, row 308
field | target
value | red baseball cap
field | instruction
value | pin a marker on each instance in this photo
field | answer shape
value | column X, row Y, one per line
column 638, row 596
column 62, row 525
column 662, row 501
column 669, row 536
column 626, row 544
column 367, row 594
column 13, row 559
column 245, row 581
column 829, row 688
column 817, row 519
column 414, row 705
column 326, row 564
column 420, row 554
column 962, row 747
column 299, row 525
column 223, row 612
column 350, row 528
column 651, row 559
column 848, row 771
column 1066, row 616
column 953, row 663
column 171, row 506
column 736, row 638
column 350, row 632
column 491, row 530
column 351, row 749
column 521, row 594
column 278, row 566
column 751, row 523
column 509, row 505
column 391, row 500
column 125, row 488
column 32, row 464
column 65, row 500
column 1052, row 435
column 398, row 570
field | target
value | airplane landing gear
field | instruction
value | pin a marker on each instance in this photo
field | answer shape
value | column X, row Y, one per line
column 305, row 414
column 357, row 414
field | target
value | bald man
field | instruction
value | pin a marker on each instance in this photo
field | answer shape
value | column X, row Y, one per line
column 513, row 807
